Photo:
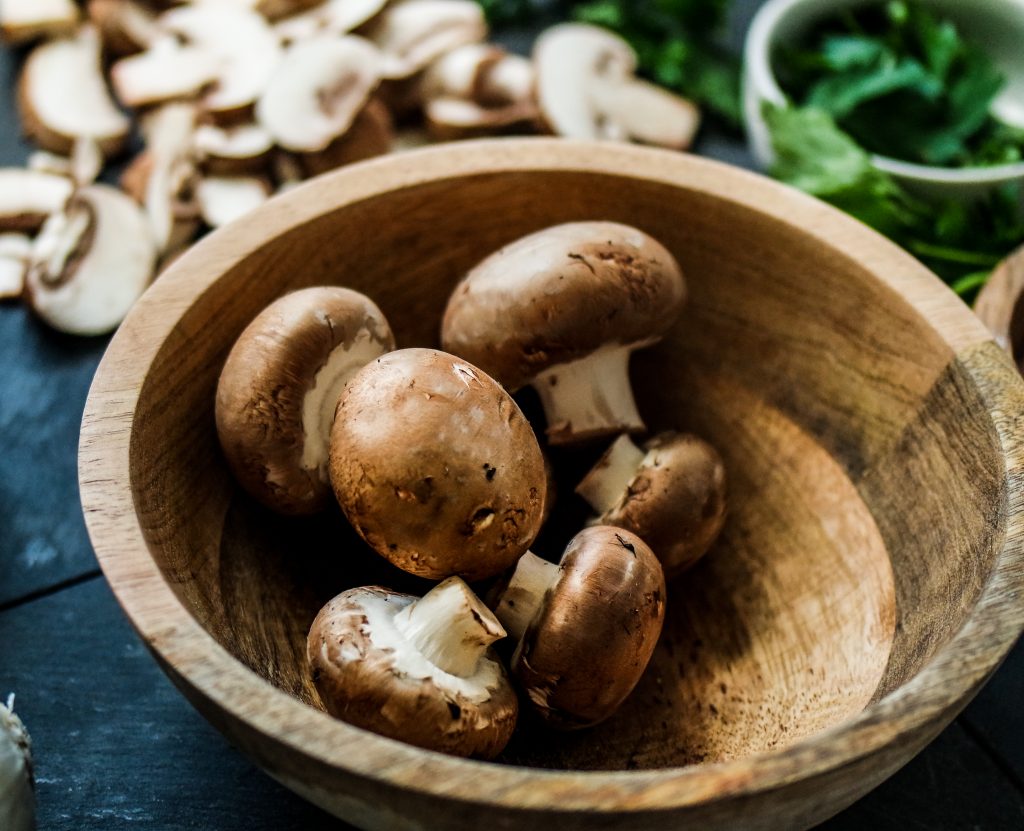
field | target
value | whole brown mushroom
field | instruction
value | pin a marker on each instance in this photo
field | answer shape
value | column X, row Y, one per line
column 416, row 670
column 562, row 310
column 586, row 628
column 671, row 493
column 279, row 387
column 436, row 467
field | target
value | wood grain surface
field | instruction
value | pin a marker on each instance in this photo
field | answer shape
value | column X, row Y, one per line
column 1000, row 308
column 864, row 588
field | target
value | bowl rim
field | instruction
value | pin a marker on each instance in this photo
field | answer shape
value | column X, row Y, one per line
column 205, row 669
column 758, row 73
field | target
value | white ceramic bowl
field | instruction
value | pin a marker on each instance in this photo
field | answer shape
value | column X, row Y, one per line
column 997, row 25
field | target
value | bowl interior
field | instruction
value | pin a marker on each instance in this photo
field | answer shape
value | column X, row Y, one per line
column 855, row 544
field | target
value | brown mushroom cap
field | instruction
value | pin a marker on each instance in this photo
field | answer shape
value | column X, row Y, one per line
column 265, row 388
column 559, row 295
column 369, row 675
column 436, row 467
column 591, row 639
column 676, row 501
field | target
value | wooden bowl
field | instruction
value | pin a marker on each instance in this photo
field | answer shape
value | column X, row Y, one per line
column 866, row 585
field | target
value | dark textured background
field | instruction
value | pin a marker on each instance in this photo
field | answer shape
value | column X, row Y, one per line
column 118, row 748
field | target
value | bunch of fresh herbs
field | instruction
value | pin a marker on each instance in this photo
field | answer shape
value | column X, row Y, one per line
column 676, row 41
column 903, row 83
column 962, row 242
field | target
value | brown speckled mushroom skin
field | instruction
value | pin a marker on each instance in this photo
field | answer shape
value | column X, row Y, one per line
column 436, row 466
column 260, row 394
column 586, row 649
column 371, row 694
column 560, row 294
column 691, row 480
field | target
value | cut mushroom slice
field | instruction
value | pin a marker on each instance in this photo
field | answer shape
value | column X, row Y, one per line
column 459, row 73
column 17, row 784
column 414, row 33
column 15, row 250
column 90, row 262
column 562, row 310
column 168, row 70
column 585, row 628
column 223, row 199
column 245, row 148
column 436, row 466
column 511, row 80
column 416, row 670
column 450, row 119
column 125, row 26
column 333, row 17
column 371, row 135
column 277, row 392
column 25, row 20
column 586, row 90
column 319, row 89
column 27, row 197
column 671, row 493
column 63, row 97
column 247, row 51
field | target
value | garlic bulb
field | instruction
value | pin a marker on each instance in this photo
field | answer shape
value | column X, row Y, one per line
column 17, row 794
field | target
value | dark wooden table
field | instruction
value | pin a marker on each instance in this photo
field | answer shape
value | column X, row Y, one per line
column 118, row 748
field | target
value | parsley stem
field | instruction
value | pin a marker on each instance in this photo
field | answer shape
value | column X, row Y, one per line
column 954, row 255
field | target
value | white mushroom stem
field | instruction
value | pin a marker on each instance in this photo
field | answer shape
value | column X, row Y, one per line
column 524, row 594
column 322, row 399
column 450, row 627
column 17, row 797
column 605, row 485
column 591, row 396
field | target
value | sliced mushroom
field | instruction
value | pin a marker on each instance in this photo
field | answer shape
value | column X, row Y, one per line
column 167, row 71
column 459, row 73
column 273, row 9
column 672, row 494
column 241, row 149
column 436, row 467
column 371, row 134
column 247, row 50
column 25, row 20
column 587, row 90
column 333, row 17
column 416, row 670
column 90, row 262
column 319, row 89
column 125, row 26
column 27, row 197
column 278, row 389
column 510, row 80
column 17, row 784
column 450, row 119
column 562, row 310
column 62, row 96
column 414, row 33
column 15, row 250
column 585, row 628
column 223, row 199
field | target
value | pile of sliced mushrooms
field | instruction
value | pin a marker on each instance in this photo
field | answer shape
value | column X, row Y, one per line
column 238, row 99
column 437, row 468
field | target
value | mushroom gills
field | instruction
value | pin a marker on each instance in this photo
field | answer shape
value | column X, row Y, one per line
column 450, row 627
column 524, row 594
column 590, row 397
column 320, row 402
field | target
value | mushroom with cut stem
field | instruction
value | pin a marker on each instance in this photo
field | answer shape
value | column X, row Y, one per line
column 90, row 262
column 585, row 628
column 562, row 310
column 277, row 392
column 416, row 670
column 233, row 151
column 372, row 134
column 672, row 494
column 587, row 89
column 436, row 467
